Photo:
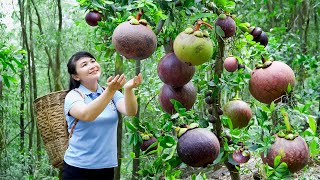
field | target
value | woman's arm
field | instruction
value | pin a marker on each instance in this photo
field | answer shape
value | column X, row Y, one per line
column 89, row 112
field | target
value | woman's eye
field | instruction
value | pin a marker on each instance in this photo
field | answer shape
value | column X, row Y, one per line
column 83, row 65
column 93, row 60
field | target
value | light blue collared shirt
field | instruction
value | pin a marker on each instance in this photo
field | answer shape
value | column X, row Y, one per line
column 93, row 145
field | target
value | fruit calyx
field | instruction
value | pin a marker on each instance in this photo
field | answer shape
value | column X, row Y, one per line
column 196, row 30
column 266, row 63
column 146, row 136
column 287, row 134
column 184, row 128
column 137, row 20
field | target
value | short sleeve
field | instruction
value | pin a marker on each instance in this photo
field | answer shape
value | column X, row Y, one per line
column 118, row 95
column 71, row 98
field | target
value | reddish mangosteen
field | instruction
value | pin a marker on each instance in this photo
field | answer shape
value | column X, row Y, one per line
column 186, row 95
column 193, row 46
column 231, row 64
column 134, row 39
column 241, row 156
column 239, row 112
column 198, row 147
column 263, row 39
column 227, row 24
column 271, row 81
column 93, row 17
column 293, row 151
column 174, row 72
column 147, row 142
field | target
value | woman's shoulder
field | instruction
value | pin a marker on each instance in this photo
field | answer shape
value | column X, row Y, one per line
column 74, row 94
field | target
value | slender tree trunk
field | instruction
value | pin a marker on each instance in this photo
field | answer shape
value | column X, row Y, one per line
column 57, row 69
column 317, row 32
column 270, row 10
column 46, row 48
column 304, row 22
column 2, row 138
column 31, row 97
column 119, row 70
column 22, row 76
column 136, row 148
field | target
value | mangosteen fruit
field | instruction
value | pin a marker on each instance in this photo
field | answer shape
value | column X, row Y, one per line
column 173, row 72
column 239, row 112
column 241, row 66
column 270, row 83
column 134, row 39
column 293, row 151
column 263, row 39
column 256, row 32
column 209, row 100
column 230, row 64
column 208, row 93
column 227, row 24
column 241, row 156
column 93, row 17
column 212, row 119
column 193, row 47
column 147, row 143
column 198, row 147
column 186, row 95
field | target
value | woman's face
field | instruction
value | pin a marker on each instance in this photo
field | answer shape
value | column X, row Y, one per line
column 88, row 69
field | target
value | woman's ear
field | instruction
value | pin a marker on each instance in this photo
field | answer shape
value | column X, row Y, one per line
column 75, row 77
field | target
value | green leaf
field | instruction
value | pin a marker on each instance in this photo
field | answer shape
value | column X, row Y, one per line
column 130, row 126
column 272, row 106
column 289, row 88
column 219, row 31
column 132, row 155
column 277, row 161
column 312, row 124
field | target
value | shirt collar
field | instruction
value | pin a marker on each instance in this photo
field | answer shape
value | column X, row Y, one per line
column 86, row 91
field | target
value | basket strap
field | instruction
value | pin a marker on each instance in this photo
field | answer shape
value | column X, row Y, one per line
column 76, row 120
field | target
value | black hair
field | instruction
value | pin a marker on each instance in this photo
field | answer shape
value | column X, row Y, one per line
column 72, row 67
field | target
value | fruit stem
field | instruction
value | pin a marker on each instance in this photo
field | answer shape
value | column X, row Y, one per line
column 237, row 95
column 263, row 59
column 139, row 14
column 199, row 23
column 286, row 120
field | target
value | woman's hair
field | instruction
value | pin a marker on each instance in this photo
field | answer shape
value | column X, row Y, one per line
column 72, row 67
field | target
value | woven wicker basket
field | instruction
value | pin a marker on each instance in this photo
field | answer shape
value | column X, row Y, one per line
column 52, row 125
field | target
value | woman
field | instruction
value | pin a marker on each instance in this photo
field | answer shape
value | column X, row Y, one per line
column 92, row 150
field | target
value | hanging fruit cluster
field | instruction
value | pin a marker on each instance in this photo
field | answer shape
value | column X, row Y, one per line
column 175, row 69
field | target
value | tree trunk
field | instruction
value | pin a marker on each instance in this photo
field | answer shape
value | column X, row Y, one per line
column 270, row 10
column 234, row 173
column 47, row 50
column 2, row 140
column 304, row 22
column 119, row 70
column 22, row 76
column 31, row 77
column 136, row 148
column 57, row 69
column 317, row 32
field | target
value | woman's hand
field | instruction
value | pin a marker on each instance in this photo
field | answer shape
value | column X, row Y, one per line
column 134, row 82
column 116, row 83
